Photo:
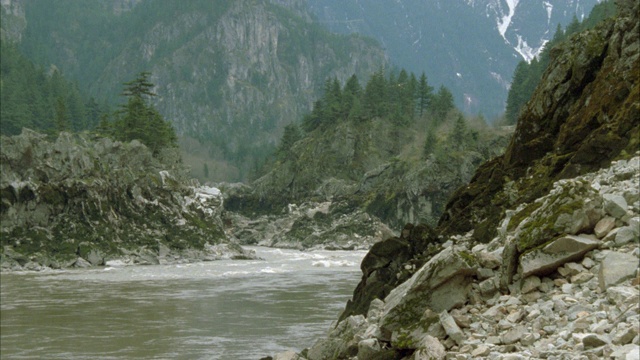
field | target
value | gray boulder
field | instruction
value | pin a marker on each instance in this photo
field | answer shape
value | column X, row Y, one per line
column 615, row 268
column 547, row 259
column 441, row 284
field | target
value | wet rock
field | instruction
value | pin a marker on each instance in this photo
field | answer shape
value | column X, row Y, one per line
column 81, row 263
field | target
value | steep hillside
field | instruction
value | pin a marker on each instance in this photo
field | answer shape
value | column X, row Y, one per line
column 470, row 46
column 229, row 74
column 537, row 257
column 378, row 147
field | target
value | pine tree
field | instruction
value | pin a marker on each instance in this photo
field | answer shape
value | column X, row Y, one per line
column 429, row 143
column 61, row 116
column 290, row 136
column 459, row 132
column 424, row 94
column 139, row 120
column 442, row 103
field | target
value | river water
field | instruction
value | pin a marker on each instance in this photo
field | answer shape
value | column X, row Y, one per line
column 211, row 310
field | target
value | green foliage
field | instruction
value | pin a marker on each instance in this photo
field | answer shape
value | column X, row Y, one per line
column 430, row 143
column 139, row 120
column 34, row 99
column 527, row 76
column 442, row 103
column 290, row 136
column 397, row 98
column 424, row 94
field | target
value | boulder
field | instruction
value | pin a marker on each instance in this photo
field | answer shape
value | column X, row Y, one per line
column 368, row 348
column 603, row 226
column 441, row 284
column 625, row 235
column 615, row 205
column 451, row 328
column 615, row 268
column 547, row 259
column 430, row 348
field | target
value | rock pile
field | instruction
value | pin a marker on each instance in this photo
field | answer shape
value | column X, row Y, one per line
column 329, row 225
column 568, row 288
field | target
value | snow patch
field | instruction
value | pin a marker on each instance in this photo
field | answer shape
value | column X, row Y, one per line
column 549, row 7
column 505, row 22
column 527, row 52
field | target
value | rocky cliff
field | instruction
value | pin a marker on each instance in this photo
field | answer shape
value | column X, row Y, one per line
column 82, row 201
column 538, row 256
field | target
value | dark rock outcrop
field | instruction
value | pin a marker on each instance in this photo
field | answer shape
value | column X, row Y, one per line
column 583, row 115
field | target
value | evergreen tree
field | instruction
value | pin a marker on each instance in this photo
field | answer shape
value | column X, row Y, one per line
column 424, row 94
column 290, row 136
column 61, row 116
column 459, row 132
column 442, row 103
column 429, row 143
column 313, row 120
column 351, row 92
column 139, row 120
column 375, row 95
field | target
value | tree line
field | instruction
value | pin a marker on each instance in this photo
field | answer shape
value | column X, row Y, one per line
column 40, row 99
column 399, row 98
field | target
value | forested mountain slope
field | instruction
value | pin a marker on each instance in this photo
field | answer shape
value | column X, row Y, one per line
column 229, row 74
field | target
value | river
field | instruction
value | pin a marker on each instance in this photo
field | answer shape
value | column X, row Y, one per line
column 211, row 310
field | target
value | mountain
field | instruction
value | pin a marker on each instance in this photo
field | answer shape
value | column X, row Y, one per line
column 470, row 46
column 542, row 238
column 229, row 75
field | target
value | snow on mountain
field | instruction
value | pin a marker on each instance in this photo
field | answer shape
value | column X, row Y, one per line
column 515, row 20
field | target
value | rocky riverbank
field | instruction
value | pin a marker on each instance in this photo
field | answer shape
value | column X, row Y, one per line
column 330, row 225
column 80, row 201
column 573, row 297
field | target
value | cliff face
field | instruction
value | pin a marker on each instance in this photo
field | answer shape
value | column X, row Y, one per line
column 80, row 201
